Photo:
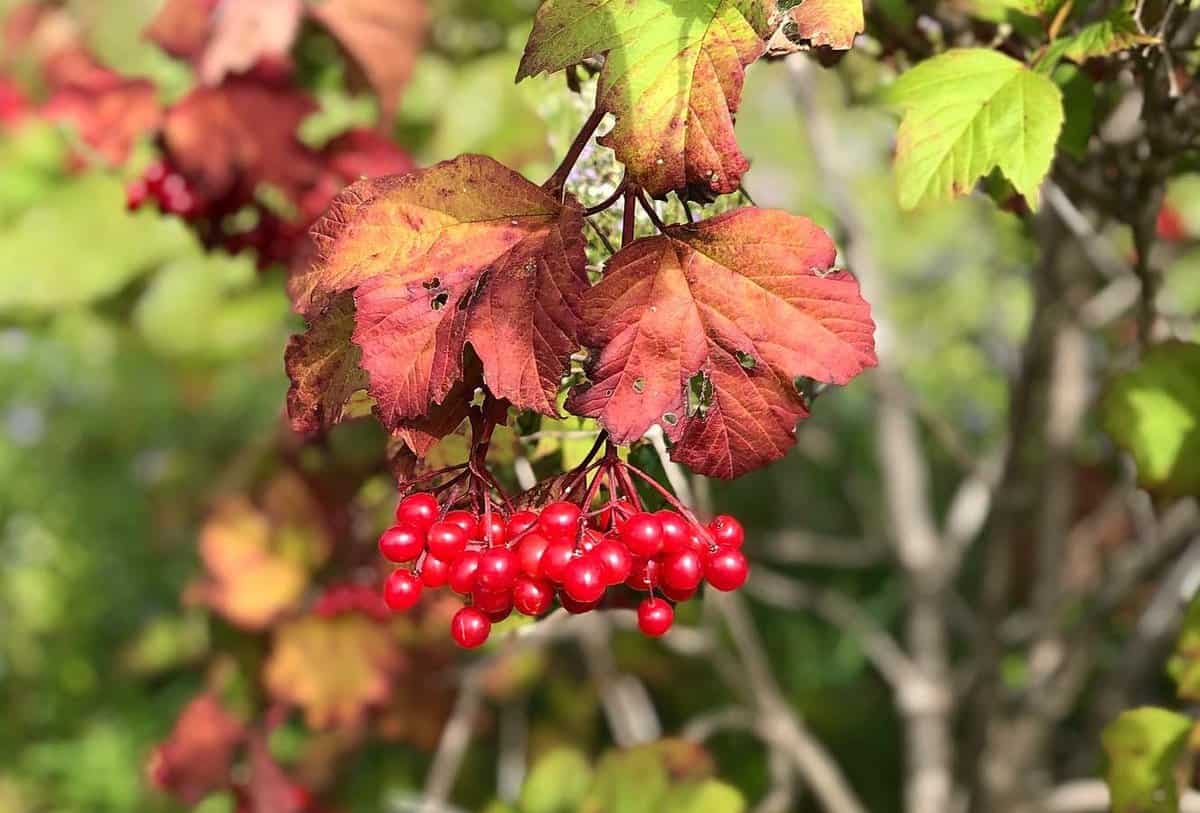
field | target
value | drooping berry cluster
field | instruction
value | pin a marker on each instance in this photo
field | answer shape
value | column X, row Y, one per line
column 526, row 560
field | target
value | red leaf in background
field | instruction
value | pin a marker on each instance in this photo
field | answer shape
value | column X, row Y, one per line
column 363, row 153
column 745, row 302
column 466, row 252
column 111, row 112
column 1170, row 225
column 182, row 27
column 383, row 37
column 196, row 759
column 13, row 105
column 224, row 37
column 242, row 130
column 269, row 789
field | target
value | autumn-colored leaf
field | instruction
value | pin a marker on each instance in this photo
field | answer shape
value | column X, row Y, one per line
column 332, row 668
column 831, row 23
column 383, row 37
column 362, row 153
column 672, row 75
column 323, row 365
column 110, row 114
column 466, row 252
column 182, row 27
column 242, row 130
column 705, row 330
column 227, row 37
column 268, row 789
column 196, row 758
column 258, row 557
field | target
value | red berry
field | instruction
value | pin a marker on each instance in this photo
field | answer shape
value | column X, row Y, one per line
column 576, row 607
column 435, row 572
column 495, row 534
column 446, row 540
column 590, row 539
column 470, row 627
column 530, row 550
column 615, row 559
column 464, row 572
column 419, row 510
column 402, row 590
column 496, row 604
column 465, row 520
column 520, row 522
column 643, row 535
column 498, row 569
column 643, row 575
column 401, row 543
column 682, row 571
column 700, row 546
column 557, row 556
column 727, row 531
column 135, row 195
column 655, row 616
column 727, row 569
column 532, row 596
column 675, row 531
column 560, row 520
column 677, row 596
column 583, row 580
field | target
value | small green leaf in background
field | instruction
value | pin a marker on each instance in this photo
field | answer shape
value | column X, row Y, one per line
column 1079, row 104
column 967, row 112
column 1153, row 412
column 1184, row 665
column 1116, row 32
column 1144, row 747
column 709, row 796
column 558, row 782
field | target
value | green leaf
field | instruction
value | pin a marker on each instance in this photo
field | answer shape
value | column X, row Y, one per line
column 79, row 245
column 709, row 796
column 1154, row 413
column 1116, row 32
column 1184, row 665
column 1144, row 747
column 967, row 112
column 1079, row 105
column 672, row 76
column 558, row 782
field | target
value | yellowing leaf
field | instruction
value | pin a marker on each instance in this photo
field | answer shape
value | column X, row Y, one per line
column 332, row 668
column 832, row 23
column 967, row 112
column 672, row 76
column 1116, row 32
column 1144, row 747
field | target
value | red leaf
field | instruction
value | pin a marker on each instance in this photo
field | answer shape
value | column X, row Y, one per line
column 269, row 789
column 242, row 131
column 182, row 27
column 324, row 368
column 362, row 153
column 195, row 760
column 110, row 111
column 384, row 37
column 745, row 302
column 224, row 37
column 466, row 252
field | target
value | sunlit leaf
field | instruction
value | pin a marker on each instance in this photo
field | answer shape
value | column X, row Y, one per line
column 832, row 23
column 196, row 758
column 557, row 783
column 1144, row 747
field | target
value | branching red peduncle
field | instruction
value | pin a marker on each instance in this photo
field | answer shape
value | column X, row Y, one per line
column 558, row 181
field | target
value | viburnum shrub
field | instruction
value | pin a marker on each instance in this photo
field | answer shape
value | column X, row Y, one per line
column 462, row 292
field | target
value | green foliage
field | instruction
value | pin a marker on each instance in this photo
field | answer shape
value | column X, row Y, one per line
column 1153, row 412
column 1144, row 747
column 557, row 783
column 967, row 112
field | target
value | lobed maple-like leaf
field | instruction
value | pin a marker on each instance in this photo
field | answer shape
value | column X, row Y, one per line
column 332, row 668
column 195, row 759
column 383, row 37
column 241, row 129
column 830, row 23
column 673, row 75
column 110, row 113
column 705, row 330
column 463, row 253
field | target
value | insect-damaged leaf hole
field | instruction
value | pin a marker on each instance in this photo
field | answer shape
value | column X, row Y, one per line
column 747, row 361
column 439, row 301
column 699, row 394
column 639, row 385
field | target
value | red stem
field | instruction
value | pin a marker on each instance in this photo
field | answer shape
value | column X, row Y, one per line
column 650, row 211
column 608, row 203
column 558, row 180
column 629, row 218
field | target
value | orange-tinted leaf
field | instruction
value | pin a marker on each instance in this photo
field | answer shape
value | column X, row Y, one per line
column 323, row 365
column 705, row 330
column 195, row 760
column 258, row 558
column 832, row 23
column 672, row 75
column 223, row 37
column 241, row 130
column 383, row 37
column 182, row 27
column 332, row 668
column 466, row 252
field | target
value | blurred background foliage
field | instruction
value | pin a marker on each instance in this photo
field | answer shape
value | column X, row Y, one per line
column 139, row 374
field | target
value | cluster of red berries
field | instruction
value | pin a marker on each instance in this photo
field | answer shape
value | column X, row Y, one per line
column 527, row 560
column 341, row 599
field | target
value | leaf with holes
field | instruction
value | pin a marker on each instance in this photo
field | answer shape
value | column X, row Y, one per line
column 464, row 253
column 706, row 328
column 673, row 75
column 967, row 112
column 332, row 668
column 830, row 23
